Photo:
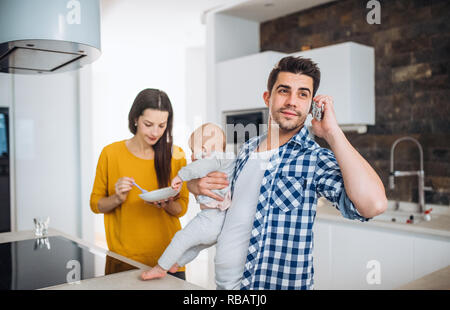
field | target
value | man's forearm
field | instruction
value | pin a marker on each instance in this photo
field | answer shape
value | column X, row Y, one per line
column 192, row 187
column 362, row 184
column 205, row 185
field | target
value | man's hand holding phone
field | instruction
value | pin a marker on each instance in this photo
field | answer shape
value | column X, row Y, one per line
column 328, row 125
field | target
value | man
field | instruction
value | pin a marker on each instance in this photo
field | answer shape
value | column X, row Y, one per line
column 266, row 240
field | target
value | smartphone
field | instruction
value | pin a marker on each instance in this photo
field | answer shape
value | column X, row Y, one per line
column 316, row 112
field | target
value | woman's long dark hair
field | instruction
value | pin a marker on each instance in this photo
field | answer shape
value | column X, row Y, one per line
column 157, row 100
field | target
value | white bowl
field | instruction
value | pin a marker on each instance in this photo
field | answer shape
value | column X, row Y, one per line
column 159, row 194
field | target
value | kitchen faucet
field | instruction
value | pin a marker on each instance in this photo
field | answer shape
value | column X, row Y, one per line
column 420, row 175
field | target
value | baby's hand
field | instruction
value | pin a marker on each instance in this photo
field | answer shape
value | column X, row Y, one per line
column 176, row 183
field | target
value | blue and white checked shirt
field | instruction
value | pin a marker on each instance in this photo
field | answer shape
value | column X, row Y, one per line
column 281, row 242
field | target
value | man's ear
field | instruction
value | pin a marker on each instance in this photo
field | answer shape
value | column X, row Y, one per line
column 266, row 97
column 311, row 104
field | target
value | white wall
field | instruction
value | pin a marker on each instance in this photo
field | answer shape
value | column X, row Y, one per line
column 228, row 37
column 201, row 270
column 195, row 77
column 46, row 161
column 87, row 163
column 50, row 149
column 236, row 37
column 143, row 45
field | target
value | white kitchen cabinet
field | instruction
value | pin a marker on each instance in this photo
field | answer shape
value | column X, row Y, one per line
column 322, row 255
column 348, row 75
column 430, row 254
column 343, row 250
column 242, row 81
column 353, row 248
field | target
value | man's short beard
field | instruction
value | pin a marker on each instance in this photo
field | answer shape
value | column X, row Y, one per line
column 288, row 127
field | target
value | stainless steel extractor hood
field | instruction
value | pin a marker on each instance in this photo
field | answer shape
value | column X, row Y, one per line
column 48, row 36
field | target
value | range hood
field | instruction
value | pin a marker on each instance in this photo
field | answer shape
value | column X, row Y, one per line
column 48, row 36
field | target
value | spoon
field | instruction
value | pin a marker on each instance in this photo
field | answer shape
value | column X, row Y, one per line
column 142, row 190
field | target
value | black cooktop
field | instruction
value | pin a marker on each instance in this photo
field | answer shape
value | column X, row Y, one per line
column 38, row 263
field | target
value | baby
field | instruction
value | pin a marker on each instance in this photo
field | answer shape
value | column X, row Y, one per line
column 207, row 144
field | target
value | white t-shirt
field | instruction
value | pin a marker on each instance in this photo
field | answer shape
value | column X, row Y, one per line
column 233, row 241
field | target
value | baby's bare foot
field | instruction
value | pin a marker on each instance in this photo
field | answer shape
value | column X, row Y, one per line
column 174, row 268
column 154, row 273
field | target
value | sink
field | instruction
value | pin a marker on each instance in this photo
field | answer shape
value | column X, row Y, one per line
column 401, row 217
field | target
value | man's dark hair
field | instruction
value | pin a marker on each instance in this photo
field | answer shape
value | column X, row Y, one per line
column 296, row 65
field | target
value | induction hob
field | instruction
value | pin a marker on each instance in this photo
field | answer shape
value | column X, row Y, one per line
column 39, row 263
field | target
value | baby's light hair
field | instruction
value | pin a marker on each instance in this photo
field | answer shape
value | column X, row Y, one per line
column 205, row 133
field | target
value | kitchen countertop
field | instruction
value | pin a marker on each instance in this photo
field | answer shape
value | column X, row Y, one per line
column 127, row 280
column 438, row 226
column 438, row 280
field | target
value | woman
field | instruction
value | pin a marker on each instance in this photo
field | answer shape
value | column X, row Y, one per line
column 134, row 228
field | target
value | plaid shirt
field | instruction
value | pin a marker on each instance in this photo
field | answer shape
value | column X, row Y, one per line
column 281, row 242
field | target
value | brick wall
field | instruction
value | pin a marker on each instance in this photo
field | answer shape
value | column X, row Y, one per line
column 412, row 87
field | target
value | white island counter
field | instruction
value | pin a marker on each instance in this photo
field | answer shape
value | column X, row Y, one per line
column 126, row 280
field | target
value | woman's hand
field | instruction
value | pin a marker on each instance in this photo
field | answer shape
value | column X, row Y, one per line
column 169, row 205
column 164, row 202
column 203, row 186
column 123, row 187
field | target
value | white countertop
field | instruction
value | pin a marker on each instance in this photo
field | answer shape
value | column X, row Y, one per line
column 438, row 226
column 127, row 280
column 438, row 280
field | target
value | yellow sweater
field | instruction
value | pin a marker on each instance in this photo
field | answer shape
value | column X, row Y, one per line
column 135, row 229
